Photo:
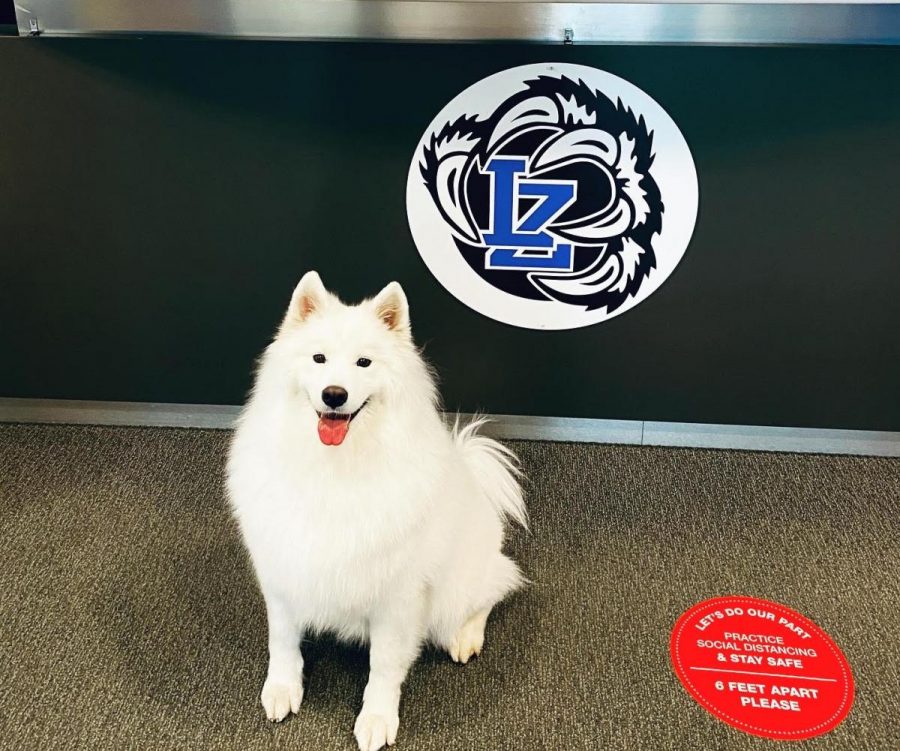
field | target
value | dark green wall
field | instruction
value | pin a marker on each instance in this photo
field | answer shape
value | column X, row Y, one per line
column 7, row 13
column 160, row 198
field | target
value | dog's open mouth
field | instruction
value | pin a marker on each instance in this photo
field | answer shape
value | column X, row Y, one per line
column 333, row 426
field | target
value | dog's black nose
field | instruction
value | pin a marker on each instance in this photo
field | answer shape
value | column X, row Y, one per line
column 334, row 396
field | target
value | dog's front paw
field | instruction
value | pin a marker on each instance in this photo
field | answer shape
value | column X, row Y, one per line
column 279, row 699
column 373, row 730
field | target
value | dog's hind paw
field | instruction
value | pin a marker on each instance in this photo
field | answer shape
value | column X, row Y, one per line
column 374, row 731
column 280, row 699
column 469, row 640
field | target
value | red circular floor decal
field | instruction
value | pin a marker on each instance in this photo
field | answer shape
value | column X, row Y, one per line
column 762, row 668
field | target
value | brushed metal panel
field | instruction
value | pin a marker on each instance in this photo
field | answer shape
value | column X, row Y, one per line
column 472, row 20
column 517, row 427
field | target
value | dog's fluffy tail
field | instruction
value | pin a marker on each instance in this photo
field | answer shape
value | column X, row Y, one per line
column 494, row 467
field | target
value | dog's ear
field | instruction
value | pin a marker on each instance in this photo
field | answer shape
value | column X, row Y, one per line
column 392, row 308
column 309, row 297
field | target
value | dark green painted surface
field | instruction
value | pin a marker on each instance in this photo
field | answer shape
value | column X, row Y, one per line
column 160, row 198
column 7, row 13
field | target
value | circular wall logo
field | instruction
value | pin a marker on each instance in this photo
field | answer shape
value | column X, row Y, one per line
column 552, row 196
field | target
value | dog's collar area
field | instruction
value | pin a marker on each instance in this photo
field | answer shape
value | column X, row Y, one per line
column 341, row 415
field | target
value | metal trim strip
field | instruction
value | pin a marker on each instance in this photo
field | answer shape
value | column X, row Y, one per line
column 735, row 23
column 515, row 427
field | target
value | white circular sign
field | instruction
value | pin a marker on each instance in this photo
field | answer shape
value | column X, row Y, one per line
column 552, row 196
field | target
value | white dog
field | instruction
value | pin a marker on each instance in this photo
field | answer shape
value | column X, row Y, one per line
column 363, row 514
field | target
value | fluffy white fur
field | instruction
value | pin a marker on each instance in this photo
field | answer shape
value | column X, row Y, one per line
column 392, row 537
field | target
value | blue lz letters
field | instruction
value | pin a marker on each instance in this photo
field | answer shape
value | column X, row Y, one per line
column 527, row 246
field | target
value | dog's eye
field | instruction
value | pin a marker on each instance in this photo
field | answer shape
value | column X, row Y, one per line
column 364, row 362
column 319, row 358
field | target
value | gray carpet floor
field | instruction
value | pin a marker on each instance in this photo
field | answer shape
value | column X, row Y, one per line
column 129, row 615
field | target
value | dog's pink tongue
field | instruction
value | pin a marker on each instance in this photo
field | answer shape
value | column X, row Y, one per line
column 332, row 432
